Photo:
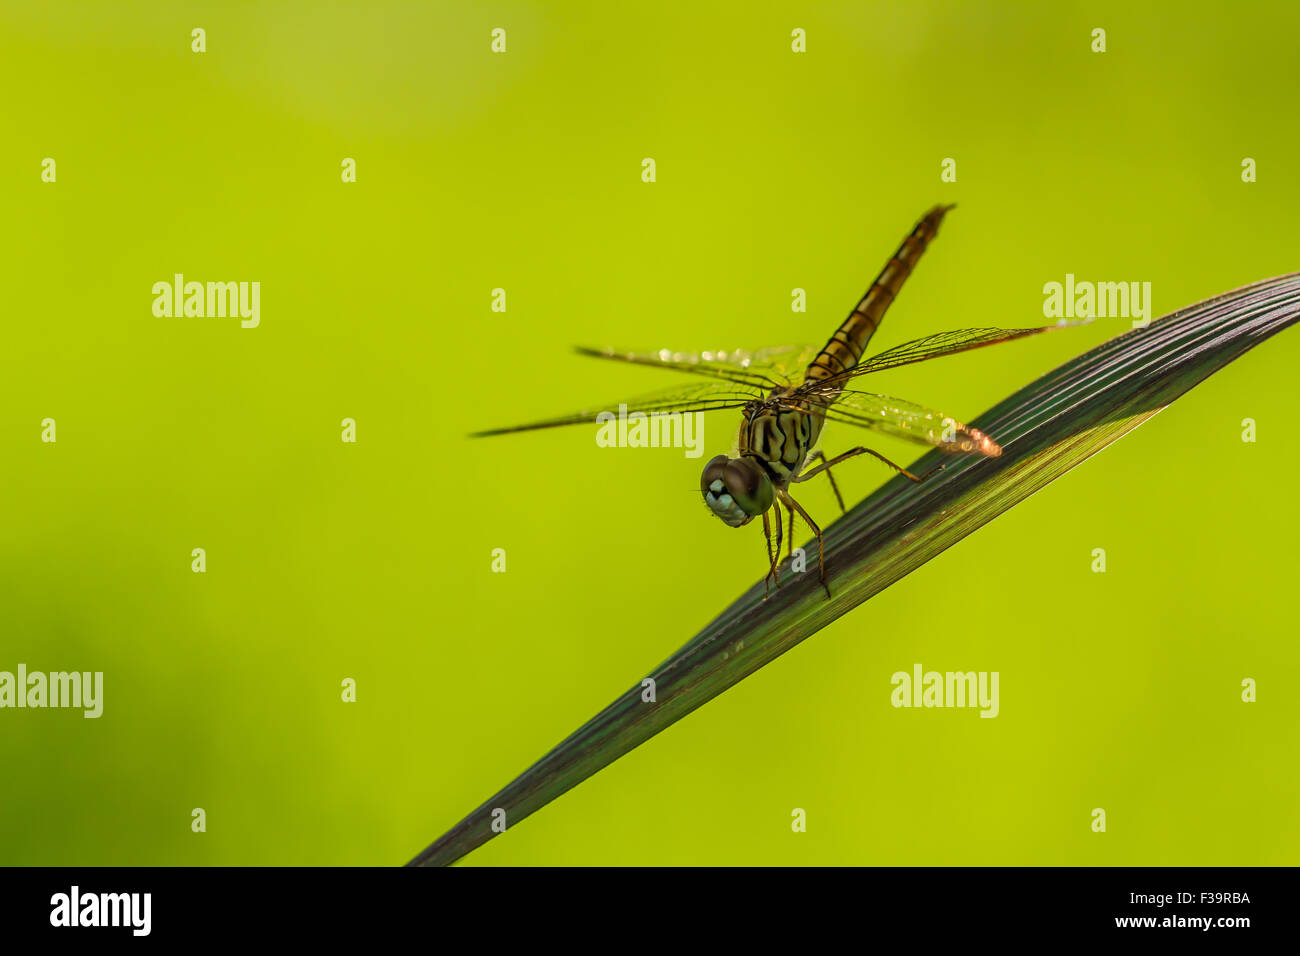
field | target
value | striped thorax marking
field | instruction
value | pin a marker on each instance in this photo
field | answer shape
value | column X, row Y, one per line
column 779, row 435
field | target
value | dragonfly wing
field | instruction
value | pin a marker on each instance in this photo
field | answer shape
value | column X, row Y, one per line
column 904, row 419
column 929, row 347
column 760, row 368
column 702, row 397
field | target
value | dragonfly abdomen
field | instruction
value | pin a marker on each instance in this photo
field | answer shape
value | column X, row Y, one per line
column 846, row 346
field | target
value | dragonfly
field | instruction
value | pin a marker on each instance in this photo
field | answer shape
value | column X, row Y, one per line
column 788, row 394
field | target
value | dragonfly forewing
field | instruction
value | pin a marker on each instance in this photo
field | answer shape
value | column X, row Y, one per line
column 775, row 367
column 929, row 347
column 699, row 397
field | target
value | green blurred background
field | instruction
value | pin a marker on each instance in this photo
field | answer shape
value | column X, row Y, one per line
column 372, row 560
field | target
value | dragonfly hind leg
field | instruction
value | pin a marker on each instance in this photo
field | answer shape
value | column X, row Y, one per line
column 826, row 467
column 853, row 453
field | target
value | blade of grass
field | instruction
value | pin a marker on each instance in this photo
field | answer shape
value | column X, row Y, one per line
column 1045, row 429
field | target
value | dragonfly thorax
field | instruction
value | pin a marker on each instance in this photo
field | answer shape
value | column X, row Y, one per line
column 737, row 490
column 780, row 434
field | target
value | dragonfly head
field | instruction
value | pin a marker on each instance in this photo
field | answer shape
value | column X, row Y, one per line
column 737, row 490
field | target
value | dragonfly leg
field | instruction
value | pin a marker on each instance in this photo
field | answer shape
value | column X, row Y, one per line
column 790, row 548
column 825, row 466
column 821, row 550
column 776, row 558
column 771, row 565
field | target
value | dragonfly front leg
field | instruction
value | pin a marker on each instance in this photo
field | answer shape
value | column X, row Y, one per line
column 776, row 557
column 821, row 550
column 790, row 548
column 771, row 561
column 826, row 465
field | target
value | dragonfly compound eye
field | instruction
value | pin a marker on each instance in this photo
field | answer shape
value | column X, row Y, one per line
column 735, row 489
